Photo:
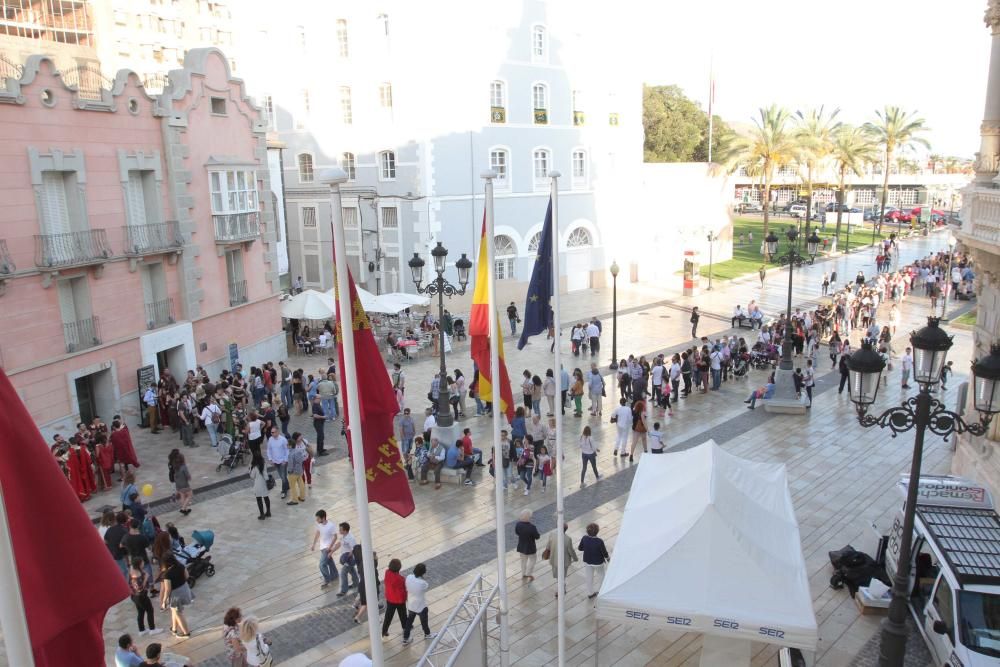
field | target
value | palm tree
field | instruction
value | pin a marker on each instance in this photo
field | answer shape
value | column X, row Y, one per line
column 894, row 129
column 814, row 132
column 769, row 145
column 853, row 149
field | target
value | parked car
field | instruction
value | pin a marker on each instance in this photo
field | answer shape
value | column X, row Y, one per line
column 898, row 216
column 797, row 210
column 832, row 208
column 750, row 207
column 794, row 202
column 936, row 215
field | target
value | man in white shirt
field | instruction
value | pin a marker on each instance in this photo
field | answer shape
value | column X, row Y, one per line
column 657, row 375
column 738, row 316
column 211, row 416
column 326, row 535
column 906, row 365
column 622, row 416
column 675, row 376
column 277, row 455
column 429, row 423
column 346, row 542
column 594, row 334
column 715, row 364
column 152, row 413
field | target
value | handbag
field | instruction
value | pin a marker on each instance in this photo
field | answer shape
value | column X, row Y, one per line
column 270, row 481
column 546, row 554
column 264, row 653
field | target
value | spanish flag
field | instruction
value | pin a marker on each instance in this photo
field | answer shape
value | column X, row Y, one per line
column 479, row 330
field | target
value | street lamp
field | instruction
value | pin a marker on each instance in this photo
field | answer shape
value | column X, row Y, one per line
column 441, row 288
column 792, row 259
column 712, row 238
column 930, row 347
column 614, row 314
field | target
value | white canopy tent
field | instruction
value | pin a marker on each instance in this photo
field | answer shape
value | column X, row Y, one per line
column 709, row 543
column 309, row 305
column 387, row 304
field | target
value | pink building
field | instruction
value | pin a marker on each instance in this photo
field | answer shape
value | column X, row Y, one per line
column 136, row 231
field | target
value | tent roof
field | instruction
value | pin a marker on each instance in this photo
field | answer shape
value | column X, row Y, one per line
column 309, row 305
column 709, row 543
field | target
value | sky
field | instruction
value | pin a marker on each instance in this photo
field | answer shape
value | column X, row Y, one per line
column 859, row 55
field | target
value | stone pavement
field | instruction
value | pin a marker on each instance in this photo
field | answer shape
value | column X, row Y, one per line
column 840, row 475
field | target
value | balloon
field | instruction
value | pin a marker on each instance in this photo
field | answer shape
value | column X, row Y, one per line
column 147, row 490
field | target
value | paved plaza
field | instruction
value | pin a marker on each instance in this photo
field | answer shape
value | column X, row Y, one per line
column 841, row 479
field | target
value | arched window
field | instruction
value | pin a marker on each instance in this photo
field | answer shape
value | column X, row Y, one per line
column 505, row 257
column 387, row 165
column 500, row 163
column 534, row 243
column 349, row 165
column 498, row 102
column 579, row 238
column 579, row 167
column 305, row 168
column 540, row 103
column 343, row 49
column 539, row 43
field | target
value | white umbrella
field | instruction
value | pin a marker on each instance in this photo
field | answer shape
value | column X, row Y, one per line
column 409, row 299
column 368, row 300
column 309, row 305
column 387, row 304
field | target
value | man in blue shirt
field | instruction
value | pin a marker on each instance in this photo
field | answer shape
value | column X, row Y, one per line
column 127, row 655
column 563, row 386
column 766, row 392
column 595, row 387
column 456, row 458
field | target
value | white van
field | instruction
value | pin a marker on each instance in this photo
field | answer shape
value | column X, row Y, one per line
column 955, row 570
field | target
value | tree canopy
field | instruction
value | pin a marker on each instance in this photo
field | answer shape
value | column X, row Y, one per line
column 676, row 127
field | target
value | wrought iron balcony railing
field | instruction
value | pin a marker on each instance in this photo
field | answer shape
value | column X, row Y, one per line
column 159, row 313
column 237, row 292
column 71, row 249
column 6, row 263
column 152, row 239
column 236, row 227
column 82, row 334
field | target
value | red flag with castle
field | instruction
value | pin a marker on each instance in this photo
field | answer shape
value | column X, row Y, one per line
column 377, row 405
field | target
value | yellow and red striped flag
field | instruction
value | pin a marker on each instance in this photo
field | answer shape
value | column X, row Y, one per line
column 479, row 332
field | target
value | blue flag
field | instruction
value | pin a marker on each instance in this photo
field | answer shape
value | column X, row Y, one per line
column 538, row 304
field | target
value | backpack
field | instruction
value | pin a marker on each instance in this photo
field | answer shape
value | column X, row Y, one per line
column 216, row 414
column 150, row 528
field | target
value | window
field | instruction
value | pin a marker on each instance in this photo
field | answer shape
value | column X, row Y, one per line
column 235, row 277
column 312, row 270
column 233, row 191
column 385, row 95
column 343, row 50
column 787, row 170
column 579, row 167
column 79, row 324
column 579, row 238
column 141, row 197
column 55, row 202
column 218, row 106
column 154, row 295
column 302, row 120
column 578, row 115
column 534, row 243
column 539, row 43
column 540, row 102
column 309, row 217
column 305, row 168
column 498, row 163
column 348, row 164
column 498, row 102
column 346, row 108
column 300, row 35
column 387, row 164
column 350, row 217
column 390, row 217
column 505, row 257
column 272, row 122
column 943, row 605
column 383, row 18
column 541, row 166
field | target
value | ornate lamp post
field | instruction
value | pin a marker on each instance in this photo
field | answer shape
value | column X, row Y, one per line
column 614, row 314
column 930, row 347
column 952, row 242
column 441, row 288
column 712, row 238
column 793, row 258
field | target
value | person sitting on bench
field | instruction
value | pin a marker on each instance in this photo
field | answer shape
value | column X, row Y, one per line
column 738, row 316
column 457, row 459
column 764, row 393
column 756, row 319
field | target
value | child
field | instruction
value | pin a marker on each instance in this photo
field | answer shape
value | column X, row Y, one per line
column 526, row 468
column 946, row 372
column 656, row 439
column 544, row 463
column 105, row 456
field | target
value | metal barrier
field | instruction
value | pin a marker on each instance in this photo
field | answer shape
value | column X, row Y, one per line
column 469, row 620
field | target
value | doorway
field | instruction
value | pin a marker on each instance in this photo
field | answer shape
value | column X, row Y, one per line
column 174, row 359
column 95, row 396
column 85, row 398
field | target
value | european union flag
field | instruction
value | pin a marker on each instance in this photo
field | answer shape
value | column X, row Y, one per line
column 538, row 304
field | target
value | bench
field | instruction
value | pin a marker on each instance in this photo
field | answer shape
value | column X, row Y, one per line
column 745, row 322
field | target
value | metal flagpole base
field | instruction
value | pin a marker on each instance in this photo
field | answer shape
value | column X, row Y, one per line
column 446, row 435
column 784, row 402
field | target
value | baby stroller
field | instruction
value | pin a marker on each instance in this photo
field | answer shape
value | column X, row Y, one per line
column 195, row 556
column 741, row 365
column 231, row 453
column 459, row 329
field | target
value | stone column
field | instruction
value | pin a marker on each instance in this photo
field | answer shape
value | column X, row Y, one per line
column 988, row 157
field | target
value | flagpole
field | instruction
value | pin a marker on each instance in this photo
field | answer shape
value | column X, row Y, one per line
column 711, row 99
column 557, row 371
column 334, row 177
column 498, row 481
column 13, row 622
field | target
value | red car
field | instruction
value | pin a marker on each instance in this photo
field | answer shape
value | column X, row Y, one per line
column 899, row 216
column 935, row 214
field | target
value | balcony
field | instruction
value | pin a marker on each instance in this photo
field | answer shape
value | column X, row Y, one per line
column 159, row 314
column 981, row 218
column 541, row 116
column 578, row 117
column 236, row 227
column 57, row 251
column 237, row 292
column 152, row 239
column 81, row 335
column 498, row 114
column 7, row 267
